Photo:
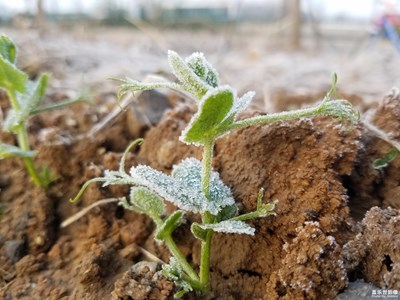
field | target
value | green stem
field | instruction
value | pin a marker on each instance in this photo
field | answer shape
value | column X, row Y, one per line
column 13, row 100
column 207, row 217
column 286, row 115
column 206, row 170
column 180, row 258
column 23, row 142
column 205, row 261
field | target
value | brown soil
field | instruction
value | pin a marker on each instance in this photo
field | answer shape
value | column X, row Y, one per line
column 320, row 172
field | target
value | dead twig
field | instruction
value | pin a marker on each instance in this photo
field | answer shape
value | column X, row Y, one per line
column 84, row 211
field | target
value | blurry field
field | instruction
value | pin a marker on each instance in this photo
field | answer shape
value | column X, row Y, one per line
column 248, row 56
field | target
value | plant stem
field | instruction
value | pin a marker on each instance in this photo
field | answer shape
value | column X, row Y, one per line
column 180, row 258
column 206, row 170
column 23, row 142
column 207, row 217
column 286, row 115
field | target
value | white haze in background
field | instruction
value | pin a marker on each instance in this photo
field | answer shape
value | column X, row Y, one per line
column 323, row 9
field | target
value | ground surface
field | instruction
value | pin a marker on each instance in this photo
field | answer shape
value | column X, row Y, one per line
column 337, row 218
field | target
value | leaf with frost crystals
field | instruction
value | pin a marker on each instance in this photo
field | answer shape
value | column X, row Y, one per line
column 242, row 103
column 229, row 227
column 203, row 69
column 213, row 109
column 188, row 173
column 173, row 271
column 192, row 83
column 181, row 194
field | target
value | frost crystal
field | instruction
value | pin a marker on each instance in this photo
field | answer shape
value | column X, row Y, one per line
column 188, row 173
column 230, row 227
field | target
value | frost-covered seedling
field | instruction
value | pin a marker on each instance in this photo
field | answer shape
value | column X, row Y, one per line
column 193, row 186
column 25, row 97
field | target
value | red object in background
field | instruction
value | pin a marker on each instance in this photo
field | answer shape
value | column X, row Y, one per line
column 393, row 19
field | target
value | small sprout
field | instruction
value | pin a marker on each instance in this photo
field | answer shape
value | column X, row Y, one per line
column 25, row 97
column 193, row 186
column 383, row 162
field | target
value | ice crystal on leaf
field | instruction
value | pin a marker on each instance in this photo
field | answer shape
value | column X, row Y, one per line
column 229, row 227
column 174, row 272
column 188, row 173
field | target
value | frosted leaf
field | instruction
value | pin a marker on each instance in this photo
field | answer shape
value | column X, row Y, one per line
column 188, row 173
column 243, row 102
column 230, row 227
column 173, row 271
column 192, row 83
column 213, row 109
column 181, row 194
column 202, row 68
column 147, row 202
column 341, row 109
column 228, row 212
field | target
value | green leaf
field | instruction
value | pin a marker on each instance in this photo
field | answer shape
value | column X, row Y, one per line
column 7, row 49
column 28, row 102
column 13, row 151
column 384, row 161
column 213, row 109
column 198, row 232
column 11, row 78
column 227, row 212
column 169, row 225
column 146, row 202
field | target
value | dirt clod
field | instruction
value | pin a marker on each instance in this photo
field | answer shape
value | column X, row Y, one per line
column 143, row 282
column 375, row 251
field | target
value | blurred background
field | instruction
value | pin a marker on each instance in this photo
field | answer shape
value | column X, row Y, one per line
column 279, row 48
